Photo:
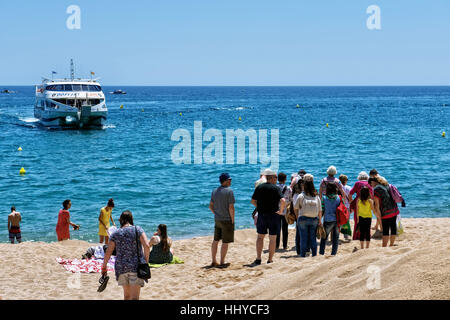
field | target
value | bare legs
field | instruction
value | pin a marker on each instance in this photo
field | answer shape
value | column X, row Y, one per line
column 106, row 238
column 260, row 244
column 131, row 292
column 390, row 239
column 223, row 252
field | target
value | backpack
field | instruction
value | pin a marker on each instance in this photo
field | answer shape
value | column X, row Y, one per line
column 396, row 195
column 342, row 214
column 310, row 208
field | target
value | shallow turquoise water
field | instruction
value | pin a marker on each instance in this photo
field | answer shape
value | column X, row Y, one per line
column 394, row 129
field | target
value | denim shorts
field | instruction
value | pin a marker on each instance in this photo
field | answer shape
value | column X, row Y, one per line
column 268, row 222
column 130, row 278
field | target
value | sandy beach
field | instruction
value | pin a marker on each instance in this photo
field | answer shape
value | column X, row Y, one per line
column 418, row 267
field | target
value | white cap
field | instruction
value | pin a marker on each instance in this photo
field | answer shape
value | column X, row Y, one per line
column 269, row 172
column 308, row 177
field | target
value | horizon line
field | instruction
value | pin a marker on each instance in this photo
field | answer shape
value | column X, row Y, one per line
column 249, row 85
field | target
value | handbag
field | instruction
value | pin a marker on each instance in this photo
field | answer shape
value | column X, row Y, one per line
column 143, row 270
column 320, row 232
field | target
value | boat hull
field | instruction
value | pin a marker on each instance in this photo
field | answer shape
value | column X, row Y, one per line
column 64, row 119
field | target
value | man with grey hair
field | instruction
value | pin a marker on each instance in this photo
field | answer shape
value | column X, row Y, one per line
column 269, row 201
column 331, row 179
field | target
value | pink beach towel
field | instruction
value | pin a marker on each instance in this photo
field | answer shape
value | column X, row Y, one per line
column 86, row 266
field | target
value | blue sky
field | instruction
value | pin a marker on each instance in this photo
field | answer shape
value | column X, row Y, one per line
column 245, row 42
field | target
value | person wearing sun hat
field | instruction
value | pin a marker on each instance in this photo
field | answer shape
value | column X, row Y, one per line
column 222, row 206
column 269, row 201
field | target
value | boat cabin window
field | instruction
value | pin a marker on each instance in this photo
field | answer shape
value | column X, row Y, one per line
column 74, row 87
column 94, row 88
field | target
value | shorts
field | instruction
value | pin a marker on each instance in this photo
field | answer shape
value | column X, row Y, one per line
column 268, row 222
column 224, row 230
column 18, row 236
column 130, row 278
column 389, row 224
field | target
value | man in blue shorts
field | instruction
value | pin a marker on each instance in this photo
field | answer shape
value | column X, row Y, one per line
column 270, row 204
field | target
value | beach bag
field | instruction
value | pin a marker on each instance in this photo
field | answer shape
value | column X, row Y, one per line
column 342, row 214
column 396, row 195
column 143, row 270
column 290, row 214
column 400, row 229
column 345, row 229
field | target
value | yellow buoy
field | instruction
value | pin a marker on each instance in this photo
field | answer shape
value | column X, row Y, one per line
column 298, row 106
column 443, row 134
column 327, row 125
column 22, row 171
column 121, row 106
column 181, row 114
column 20, row 149
column 240, row 119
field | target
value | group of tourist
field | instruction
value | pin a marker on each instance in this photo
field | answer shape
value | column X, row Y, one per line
column 316, row 212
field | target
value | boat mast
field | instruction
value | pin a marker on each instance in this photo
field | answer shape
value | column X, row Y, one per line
column 72, row 70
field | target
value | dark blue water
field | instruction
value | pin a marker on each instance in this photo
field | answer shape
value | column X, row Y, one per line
column 396, row 130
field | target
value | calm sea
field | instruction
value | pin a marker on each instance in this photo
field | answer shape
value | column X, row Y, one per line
column 397, row 130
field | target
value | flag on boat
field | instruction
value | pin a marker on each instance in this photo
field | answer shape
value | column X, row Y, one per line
column 93, row 73
column 54, row 72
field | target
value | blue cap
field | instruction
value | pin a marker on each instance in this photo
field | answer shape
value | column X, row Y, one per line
column 224, row 177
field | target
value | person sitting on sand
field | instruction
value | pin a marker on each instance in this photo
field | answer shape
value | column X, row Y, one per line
column 161, row 246
column 14, row 219
column 222, row 206
column 269, row 201
column 331, row 202
column 387, row 209
column 365, row 208
column 126, row 265
column 104, row 219
column 62, row 227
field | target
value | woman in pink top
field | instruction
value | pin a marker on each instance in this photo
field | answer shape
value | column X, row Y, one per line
column 62, row 227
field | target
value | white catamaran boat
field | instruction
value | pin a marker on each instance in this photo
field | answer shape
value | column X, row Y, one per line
column 72, row 103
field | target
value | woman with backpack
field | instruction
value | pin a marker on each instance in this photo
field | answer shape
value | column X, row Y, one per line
column 386, row 208
column 309, row 213
column 331, row 201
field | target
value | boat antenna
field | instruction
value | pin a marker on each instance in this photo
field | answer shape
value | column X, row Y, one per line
column 72, row 70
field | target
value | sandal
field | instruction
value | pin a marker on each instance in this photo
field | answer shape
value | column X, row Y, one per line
column 103, row 282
